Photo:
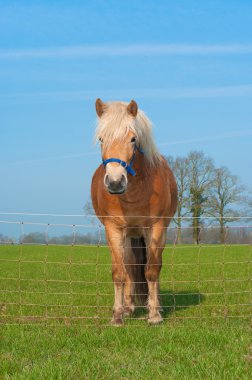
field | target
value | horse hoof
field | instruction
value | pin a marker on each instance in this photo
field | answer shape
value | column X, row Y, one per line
column 117, row 322
column 157, row 319
column 129, row 310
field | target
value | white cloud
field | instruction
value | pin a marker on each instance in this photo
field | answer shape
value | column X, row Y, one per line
column 51, row 158
column 224, row 136
column 123, row 50
column 144, row 93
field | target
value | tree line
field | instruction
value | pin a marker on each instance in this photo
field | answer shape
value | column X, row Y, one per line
column 89, row 238
column 208, row 235
column 205, row 190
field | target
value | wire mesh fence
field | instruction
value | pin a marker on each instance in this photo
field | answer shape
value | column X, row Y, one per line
column 60, row 273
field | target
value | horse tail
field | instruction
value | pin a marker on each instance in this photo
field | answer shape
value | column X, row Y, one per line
column 138, row 270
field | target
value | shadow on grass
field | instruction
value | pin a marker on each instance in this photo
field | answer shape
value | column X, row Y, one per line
column 172, row 303
column 179, row 301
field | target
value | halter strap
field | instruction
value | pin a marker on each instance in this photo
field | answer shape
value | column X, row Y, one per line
column 128, row 167
column 122, row 163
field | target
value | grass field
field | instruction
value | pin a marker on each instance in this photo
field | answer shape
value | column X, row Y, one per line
column 56, row 306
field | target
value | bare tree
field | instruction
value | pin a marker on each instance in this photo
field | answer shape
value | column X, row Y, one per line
column 225, row 191
column 88, row 207
column 6, row 239
column 200, row 172
column 179, row 167
column 89, row 212
column 247, row 203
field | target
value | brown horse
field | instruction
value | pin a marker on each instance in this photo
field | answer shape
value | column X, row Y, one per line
column 134, row 195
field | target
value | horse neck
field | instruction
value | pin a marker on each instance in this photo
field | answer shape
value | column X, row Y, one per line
column 141, row 165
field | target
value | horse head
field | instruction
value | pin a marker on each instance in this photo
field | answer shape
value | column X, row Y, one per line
column 118, row 153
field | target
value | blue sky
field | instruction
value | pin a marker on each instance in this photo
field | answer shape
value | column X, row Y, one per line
column 188, row 64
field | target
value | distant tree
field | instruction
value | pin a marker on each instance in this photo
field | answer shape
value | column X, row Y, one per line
column 89, row 211
column 179, row 167
column 39, row 238
column 6, row 239
column 225, row 192
column 247, row 203
column 34, row 238
column 250, row 204
column 200, row 173
column 88, row 207
column 197, row 210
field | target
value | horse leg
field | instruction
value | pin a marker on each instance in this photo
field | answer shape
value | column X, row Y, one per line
column 129, row 288
column 129, row 306
column 156, row 238
column 115, row 241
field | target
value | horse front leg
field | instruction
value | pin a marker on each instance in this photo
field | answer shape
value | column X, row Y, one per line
column 156, row 242
column 115, row 239
column 129, row 288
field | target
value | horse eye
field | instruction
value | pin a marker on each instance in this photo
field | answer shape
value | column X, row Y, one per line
column 100, row 139
column 133, row 140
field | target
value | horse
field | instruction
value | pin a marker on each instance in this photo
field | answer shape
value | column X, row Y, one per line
column 134, row 195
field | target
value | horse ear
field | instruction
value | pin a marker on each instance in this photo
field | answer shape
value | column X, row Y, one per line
column 132, row 108
column 100, row 107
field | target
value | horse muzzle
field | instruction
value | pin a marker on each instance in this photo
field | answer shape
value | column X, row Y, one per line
column 117, row 186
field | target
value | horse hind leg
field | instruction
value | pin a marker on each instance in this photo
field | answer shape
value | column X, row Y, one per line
column 136, row 289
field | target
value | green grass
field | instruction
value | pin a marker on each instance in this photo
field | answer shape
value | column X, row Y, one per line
column 56, row 306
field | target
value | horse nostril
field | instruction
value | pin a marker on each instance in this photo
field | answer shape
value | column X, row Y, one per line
column 123, row 180
column 106, row 180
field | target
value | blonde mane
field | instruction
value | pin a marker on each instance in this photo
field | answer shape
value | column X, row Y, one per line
column 116, row 122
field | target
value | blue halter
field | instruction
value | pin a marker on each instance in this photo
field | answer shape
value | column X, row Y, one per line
column 128, row 167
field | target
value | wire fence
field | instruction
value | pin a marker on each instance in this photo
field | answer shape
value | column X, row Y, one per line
column 59, row 274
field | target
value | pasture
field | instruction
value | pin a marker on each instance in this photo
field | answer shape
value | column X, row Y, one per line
column 56, row 306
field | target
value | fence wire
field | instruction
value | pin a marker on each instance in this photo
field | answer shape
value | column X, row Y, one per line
column 60, row 274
